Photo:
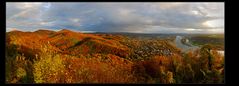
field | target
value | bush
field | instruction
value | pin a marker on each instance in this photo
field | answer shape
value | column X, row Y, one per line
column 47, row 70
column 48, row 67
column 17, row 69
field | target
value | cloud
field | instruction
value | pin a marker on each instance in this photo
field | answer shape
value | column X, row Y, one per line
column 115, row 17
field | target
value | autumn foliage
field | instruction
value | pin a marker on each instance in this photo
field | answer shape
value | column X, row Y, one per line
column 69, row 57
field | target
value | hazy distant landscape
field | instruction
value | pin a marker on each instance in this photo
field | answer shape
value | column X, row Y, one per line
column 155, row 43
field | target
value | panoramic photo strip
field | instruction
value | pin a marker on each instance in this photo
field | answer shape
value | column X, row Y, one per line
column 109, row 42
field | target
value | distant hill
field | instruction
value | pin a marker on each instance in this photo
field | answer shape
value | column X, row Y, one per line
column 65, row 41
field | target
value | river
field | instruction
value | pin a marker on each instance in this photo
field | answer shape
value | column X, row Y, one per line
column 186, row 48
column 221, row 52
column 182, row 46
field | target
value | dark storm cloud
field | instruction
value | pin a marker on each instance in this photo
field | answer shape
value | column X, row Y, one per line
column 115, row 17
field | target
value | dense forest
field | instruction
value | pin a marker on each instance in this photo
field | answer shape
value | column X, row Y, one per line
column 65, row 56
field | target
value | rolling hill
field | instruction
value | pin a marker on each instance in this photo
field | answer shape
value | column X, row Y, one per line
column 66, row 56
column 65, row 41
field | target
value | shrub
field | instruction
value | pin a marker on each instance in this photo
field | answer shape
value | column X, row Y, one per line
column 48, row 67
column 17, row 69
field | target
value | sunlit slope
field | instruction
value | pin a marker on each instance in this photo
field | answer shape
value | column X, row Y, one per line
column 65, row 41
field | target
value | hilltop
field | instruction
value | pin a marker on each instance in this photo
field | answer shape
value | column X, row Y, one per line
column 66, row 41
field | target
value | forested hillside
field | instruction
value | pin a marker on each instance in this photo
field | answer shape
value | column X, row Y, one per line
column 66, row 56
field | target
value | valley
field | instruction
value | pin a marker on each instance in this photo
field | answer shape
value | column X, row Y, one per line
column 66, row 56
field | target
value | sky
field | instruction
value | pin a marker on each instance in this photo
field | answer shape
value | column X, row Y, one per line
column 135, row 17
